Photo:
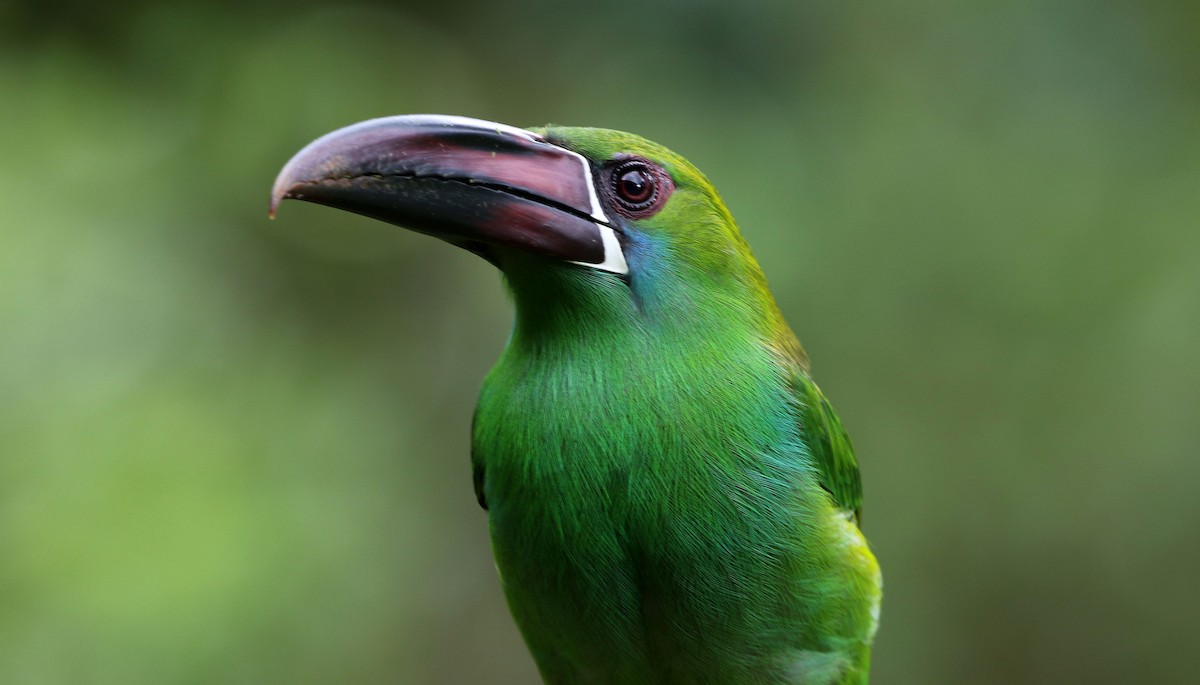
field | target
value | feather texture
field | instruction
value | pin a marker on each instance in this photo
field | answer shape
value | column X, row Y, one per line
column 667, row 488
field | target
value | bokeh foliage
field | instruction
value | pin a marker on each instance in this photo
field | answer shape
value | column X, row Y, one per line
column 235, row 451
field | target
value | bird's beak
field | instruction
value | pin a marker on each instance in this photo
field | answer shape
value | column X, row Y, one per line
column 473, row 183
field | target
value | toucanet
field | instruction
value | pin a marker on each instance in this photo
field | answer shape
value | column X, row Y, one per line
column 670, row 497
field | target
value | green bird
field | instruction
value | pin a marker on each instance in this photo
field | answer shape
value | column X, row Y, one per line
column 670, row 497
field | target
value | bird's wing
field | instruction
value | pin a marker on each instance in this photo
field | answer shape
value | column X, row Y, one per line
column 830, row 445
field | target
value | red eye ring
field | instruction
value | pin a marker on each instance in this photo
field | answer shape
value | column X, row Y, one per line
column 638, row 188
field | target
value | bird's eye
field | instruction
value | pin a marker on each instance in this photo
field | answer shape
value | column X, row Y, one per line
column 634, row 185
column 638, row 188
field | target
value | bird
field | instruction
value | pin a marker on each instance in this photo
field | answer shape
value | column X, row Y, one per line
column 670, row 497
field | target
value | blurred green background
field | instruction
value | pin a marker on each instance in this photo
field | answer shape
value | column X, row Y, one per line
column 235, row 450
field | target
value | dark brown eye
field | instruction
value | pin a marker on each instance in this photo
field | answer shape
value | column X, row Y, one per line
column 635, row 185
column 638, row 188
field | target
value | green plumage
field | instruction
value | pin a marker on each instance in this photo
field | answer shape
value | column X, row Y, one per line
column 671, row 497
column 672, row 501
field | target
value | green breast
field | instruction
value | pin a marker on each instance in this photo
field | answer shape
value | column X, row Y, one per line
column 655, row 517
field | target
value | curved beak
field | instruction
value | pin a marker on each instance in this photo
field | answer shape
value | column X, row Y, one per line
column 473, row 183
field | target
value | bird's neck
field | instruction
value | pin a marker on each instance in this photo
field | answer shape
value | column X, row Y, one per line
column 568, row 310
column 581, row 324
column 614, row 376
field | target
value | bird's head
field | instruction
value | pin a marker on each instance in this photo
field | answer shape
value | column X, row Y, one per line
column 566, row 213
